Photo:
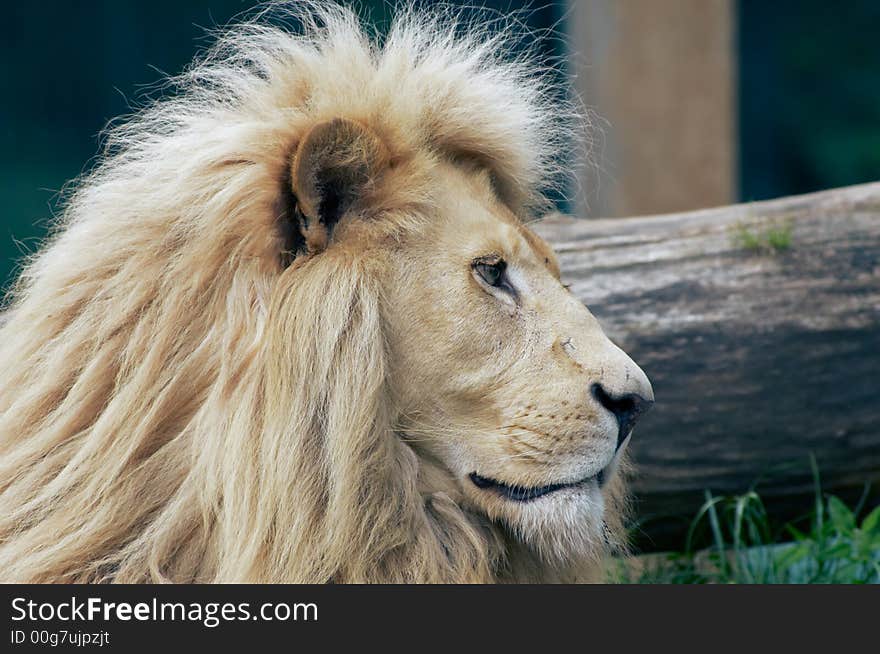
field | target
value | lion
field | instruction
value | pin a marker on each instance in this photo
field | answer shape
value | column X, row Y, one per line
column 295, row 327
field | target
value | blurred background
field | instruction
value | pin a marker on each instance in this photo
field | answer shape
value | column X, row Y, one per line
column 697, row 102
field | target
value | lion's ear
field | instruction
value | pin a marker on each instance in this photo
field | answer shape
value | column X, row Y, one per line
column 335, row 165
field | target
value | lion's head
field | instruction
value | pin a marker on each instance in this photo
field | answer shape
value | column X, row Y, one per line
column 502, row 376
column 296, row 328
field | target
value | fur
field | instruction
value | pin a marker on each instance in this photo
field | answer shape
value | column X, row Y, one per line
column 187, row 399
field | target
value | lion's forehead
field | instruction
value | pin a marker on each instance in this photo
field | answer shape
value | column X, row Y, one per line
column 479, row 222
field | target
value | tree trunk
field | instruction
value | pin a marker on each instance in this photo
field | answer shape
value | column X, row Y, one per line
column 762, row 348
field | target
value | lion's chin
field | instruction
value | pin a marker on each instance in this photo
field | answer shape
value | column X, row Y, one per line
column 561, row 525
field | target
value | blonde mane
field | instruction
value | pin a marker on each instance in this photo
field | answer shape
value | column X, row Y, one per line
column 177, row 403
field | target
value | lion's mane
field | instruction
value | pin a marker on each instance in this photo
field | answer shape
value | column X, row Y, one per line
column 176, row 403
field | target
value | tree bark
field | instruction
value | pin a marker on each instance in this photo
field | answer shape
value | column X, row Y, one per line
column 759, row 356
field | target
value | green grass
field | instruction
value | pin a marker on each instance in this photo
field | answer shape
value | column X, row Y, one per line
column 772, row 239
column 834, row 544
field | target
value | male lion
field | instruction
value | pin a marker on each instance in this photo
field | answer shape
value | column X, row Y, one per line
column 293, row 328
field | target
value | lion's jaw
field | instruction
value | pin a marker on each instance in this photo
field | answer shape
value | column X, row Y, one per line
column 498, row 383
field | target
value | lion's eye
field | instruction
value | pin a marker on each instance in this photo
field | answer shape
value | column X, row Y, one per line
column 491, row 273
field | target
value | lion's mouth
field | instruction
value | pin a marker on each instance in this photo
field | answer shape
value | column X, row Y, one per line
column 526, row 493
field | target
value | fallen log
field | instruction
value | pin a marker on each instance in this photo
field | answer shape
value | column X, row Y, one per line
column 759, row 326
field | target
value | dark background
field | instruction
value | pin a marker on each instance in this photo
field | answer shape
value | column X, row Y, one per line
column 809, row 95
column 808, row 91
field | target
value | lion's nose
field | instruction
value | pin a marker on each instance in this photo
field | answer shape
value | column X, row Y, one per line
column 626, row 408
